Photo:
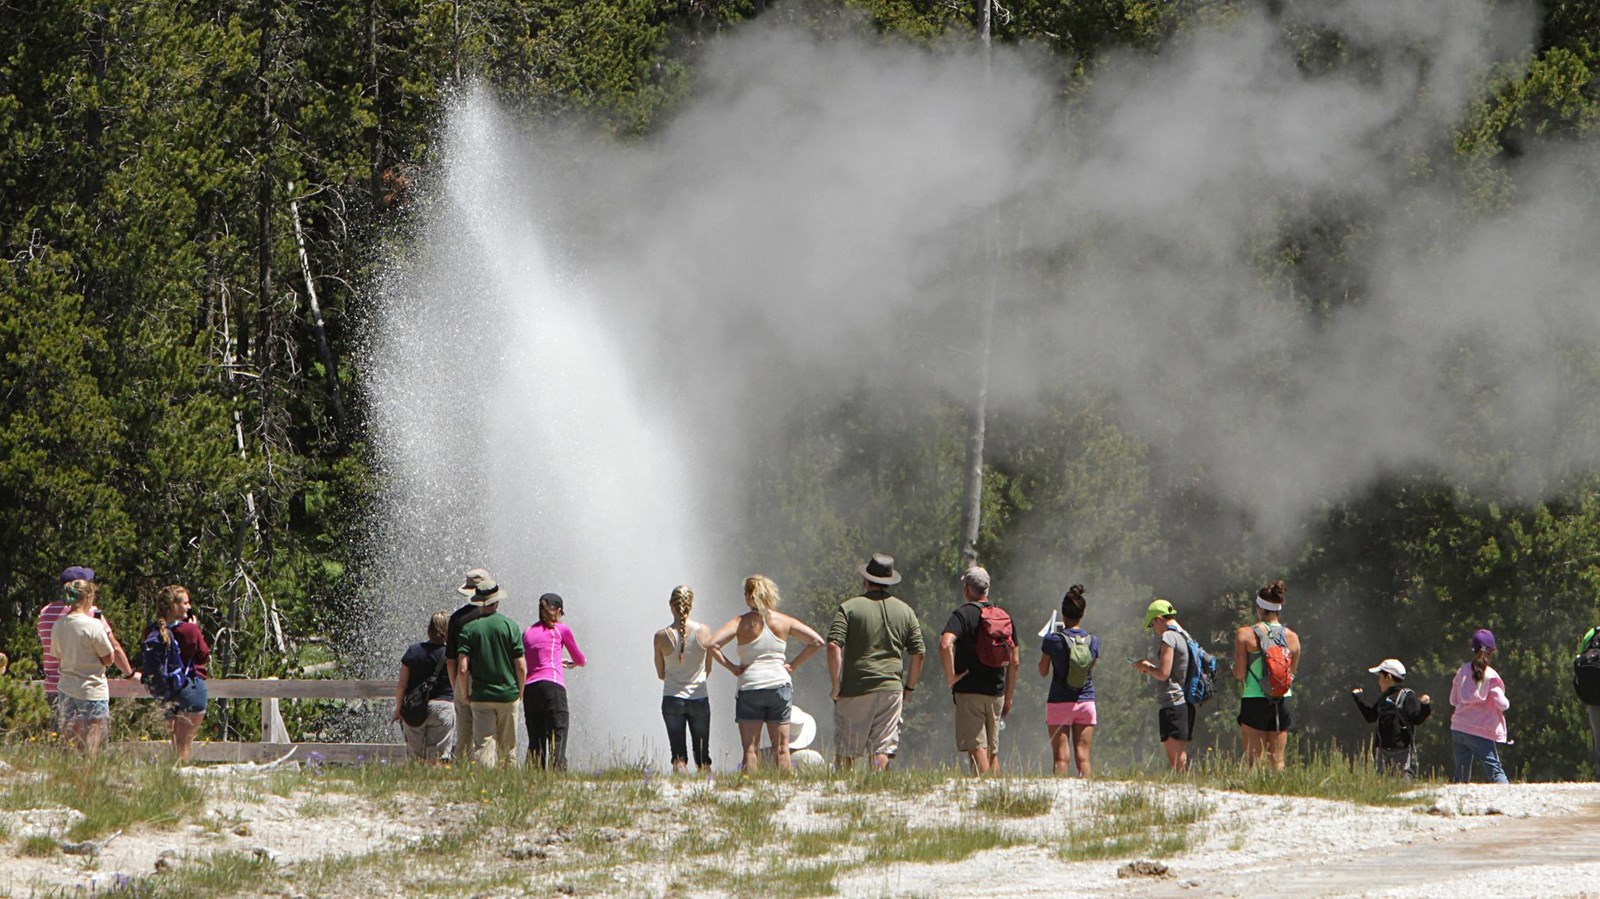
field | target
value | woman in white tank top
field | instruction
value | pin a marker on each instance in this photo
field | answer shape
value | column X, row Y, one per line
column 766, row 690
column 682, row 663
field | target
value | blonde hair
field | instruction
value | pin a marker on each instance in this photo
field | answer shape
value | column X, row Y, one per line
column 763, row 594
column 439, row 627
column 81, row 593
column 167, row 600
column 682, row 602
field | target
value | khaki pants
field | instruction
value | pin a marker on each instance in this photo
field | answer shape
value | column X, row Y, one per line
column 494, row 732
column 978, row 722
column 867, row 725
column 462, row 752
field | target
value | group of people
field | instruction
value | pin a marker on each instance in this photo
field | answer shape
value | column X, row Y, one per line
column 875, row 653
column 79, row 645
column 459, row 691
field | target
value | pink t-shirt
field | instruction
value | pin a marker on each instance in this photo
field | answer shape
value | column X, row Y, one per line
column 1480, row 706
column 542, row 644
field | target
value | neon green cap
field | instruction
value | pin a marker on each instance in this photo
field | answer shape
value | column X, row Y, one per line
column 1157, row 609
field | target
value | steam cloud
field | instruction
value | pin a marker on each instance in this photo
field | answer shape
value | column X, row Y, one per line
column 817, row 217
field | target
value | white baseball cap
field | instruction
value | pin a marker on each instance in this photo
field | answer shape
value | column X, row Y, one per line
column 1391, row 667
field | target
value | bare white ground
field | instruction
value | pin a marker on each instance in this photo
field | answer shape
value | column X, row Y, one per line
column 1519, row 840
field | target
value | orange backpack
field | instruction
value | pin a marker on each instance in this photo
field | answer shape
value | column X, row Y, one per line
column 1276, row 659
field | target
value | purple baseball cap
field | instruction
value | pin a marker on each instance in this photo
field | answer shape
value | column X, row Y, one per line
column 1483, row 638
column 77, row 573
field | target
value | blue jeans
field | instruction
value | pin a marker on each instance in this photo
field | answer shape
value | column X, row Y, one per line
column 1469, row 748
column 695, row 715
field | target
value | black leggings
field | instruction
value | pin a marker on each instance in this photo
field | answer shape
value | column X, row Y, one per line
column 544, row 708
column 695, row 714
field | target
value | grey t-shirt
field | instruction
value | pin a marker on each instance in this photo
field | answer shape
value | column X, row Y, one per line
column 1169, row 692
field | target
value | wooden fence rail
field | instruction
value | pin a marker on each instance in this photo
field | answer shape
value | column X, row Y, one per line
column 275, row 743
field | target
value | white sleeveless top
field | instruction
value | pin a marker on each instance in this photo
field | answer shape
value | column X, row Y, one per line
column 686, row 671
column 763, row 659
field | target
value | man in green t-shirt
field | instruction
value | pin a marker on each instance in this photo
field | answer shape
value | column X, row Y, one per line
column 490, row 659
column 869, row 642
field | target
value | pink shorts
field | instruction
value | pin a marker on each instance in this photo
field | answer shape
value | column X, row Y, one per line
column 1059, row 714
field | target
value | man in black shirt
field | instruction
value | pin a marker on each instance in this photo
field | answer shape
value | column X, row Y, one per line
column 978, row 635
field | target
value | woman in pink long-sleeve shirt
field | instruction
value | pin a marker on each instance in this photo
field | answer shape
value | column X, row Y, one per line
column 544, row 696
column 1478, row 726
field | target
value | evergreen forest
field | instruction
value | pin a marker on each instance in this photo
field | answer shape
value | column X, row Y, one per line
column 197, row 201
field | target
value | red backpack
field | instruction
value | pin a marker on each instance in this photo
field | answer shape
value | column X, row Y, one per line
column 1276, row 659
column 995, row 637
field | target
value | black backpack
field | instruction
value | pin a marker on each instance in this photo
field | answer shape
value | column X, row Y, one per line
column 414, row 705
column 1586, row 671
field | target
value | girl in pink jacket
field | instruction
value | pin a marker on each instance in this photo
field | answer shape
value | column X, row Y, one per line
column 1478, row 726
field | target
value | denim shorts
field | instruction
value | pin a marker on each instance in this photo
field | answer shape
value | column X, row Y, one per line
column 75, row 709
column 190, row 700
column 764, row 705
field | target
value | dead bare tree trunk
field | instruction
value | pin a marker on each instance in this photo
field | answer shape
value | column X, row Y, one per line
column 977, row 421
column 324, row 351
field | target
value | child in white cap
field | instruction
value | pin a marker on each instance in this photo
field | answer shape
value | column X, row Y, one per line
column 1397, row 711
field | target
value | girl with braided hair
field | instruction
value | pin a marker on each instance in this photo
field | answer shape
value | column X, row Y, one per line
column 682, row 664
column 186, row 709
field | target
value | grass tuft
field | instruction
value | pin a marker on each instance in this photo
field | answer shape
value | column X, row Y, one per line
column 39, row 845
column 1133, row 821
column 1009, row 799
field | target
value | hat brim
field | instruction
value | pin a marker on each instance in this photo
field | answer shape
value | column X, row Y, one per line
column 467, row 590
column 481, row 601
column 889, row 581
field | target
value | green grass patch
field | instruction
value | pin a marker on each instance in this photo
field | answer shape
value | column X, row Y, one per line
column 776, row 881
column 1132, row 821
column 217, row 874
column 1009, row 799
column 817, row 843
column 112, row 792
column 39, row 845
column 1325, row 774
column 900, row 842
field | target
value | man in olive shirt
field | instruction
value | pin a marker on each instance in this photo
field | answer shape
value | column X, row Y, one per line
column 490, row 658
column 868, row 644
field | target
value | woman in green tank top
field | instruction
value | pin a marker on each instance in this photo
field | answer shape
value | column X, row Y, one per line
column 1264, row 707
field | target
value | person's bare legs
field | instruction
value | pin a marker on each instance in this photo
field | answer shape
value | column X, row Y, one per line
column 980, row 760
column 1254, row 744
column 1082, row 736
column 184, row 728
column 1177, row 754
column 778, row 733
column 1273, row 745
column 73, row 731
column 94, row 735
column 749, row 738
column 1061, row 747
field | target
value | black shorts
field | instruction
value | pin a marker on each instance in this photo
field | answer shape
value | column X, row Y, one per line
column 1267, row 715
column 1176, row 723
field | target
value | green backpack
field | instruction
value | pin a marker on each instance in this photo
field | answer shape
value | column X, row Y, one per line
column 1079, row 660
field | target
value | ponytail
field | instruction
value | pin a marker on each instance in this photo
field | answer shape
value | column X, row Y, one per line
column 1480, row 663
column 682, row 604
column 168, row 599
column 763, row 595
